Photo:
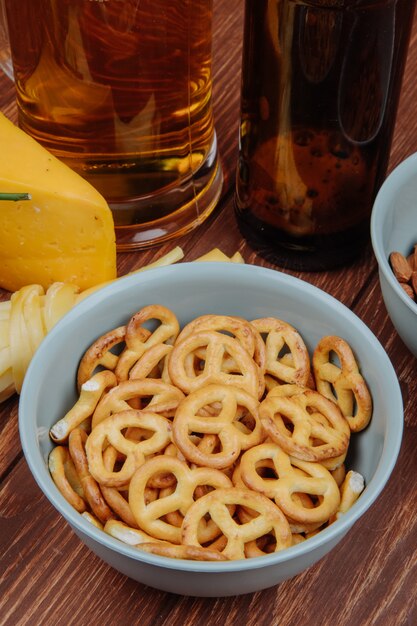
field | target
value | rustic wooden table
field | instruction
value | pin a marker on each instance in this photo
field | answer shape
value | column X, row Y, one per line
column 48, row 577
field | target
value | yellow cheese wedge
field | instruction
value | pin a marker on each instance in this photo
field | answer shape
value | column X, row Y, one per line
column 64, row 233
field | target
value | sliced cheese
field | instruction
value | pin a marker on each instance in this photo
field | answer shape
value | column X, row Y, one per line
column 65, row 233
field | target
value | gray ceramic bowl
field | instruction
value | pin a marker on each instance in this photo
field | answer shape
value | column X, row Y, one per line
column 191, row 290
column 394, row 229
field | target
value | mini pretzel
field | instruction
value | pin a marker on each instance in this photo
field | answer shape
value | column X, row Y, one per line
column 192, row 553
column 352, row 487
column 91, row 392
column 217, row 346
column 65, row 477
column 99, row 354
column 136, row 345
column 350, row 490
column 282, row 336
column 344, row 385
column 270, row 519
column 164, row 398
column 123, row 532
column 288, row 390
column 245, row 514
column 314, row 480
column 233, row 436
column 111, row 431
column 150, row 517
column 318, row 429
column 93, row 495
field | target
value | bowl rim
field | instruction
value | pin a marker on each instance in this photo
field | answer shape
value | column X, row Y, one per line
column 29, row 433
column 385, row 199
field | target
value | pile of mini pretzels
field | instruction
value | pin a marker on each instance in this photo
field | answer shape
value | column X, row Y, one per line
column 221, row 440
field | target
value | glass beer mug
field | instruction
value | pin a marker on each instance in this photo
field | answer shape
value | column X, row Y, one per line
column 120, row 90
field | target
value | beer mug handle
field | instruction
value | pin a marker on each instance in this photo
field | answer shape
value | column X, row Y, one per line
column 5, row 56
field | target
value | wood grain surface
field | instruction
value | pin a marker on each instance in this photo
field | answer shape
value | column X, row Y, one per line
column 48, row 577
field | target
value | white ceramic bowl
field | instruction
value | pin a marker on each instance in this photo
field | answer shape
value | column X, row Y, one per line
column 394, row 229
column 191, row 290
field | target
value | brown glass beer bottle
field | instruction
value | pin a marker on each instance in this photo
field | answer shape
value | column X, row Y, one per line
column 321, row 82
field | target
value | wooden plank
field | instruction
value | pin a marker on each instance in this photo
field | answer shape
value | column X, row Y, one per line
column 47, row 576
